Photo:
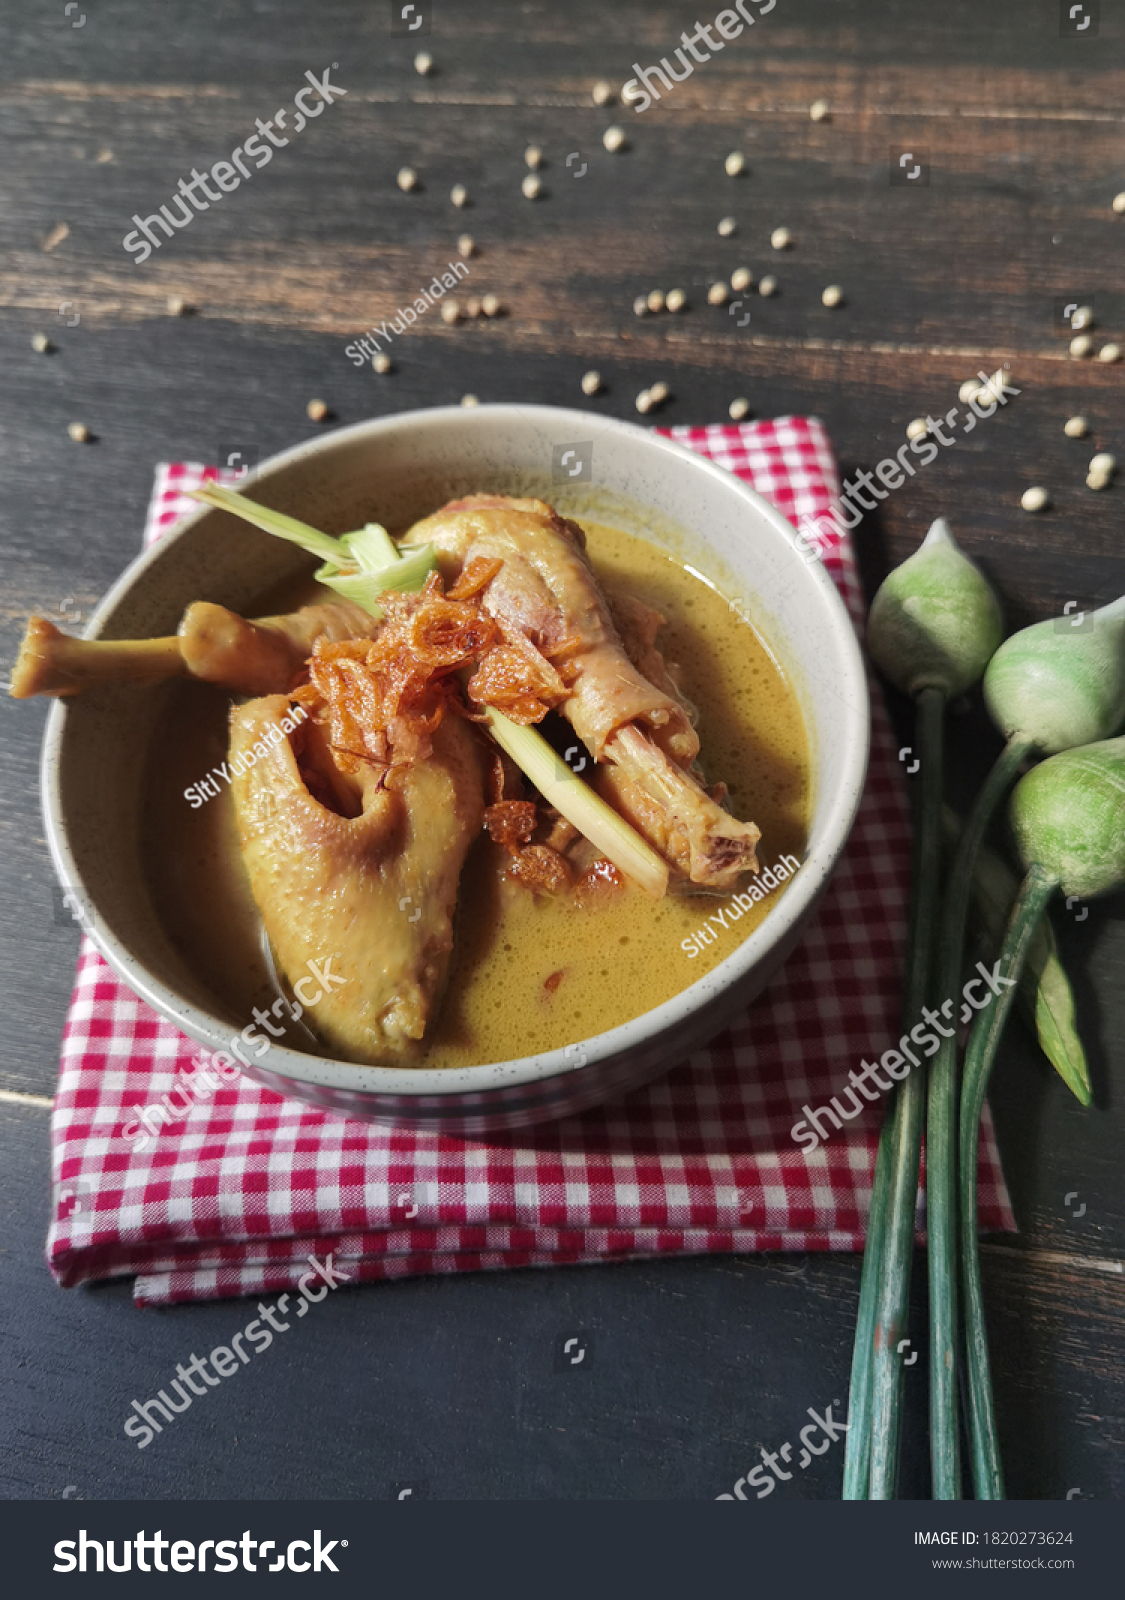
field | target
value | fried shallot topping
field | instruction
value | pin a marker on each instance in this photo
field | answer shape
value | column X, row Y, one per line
column 511, row 822
column 537, row 866
column 380, row 700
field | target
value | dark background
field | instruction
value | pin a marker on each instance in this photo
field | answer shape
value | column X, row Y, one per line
column 449, row 1384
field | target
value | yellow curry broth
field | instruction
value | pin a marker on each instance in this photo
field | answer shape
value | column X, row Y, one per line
column 528, row 973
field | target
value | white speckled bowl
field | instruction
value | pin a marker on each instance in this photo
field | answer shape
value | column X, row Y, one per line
column 395, row 470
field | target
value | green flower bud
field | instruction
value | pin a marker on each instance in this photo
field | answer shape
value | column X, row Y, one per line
column 1058, row 684
column 935, row 621
column 1068, row 815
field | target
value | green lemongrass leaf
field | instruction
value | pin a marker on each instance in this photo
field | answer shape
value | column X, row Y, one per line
column 1046, row 999
column 579, row 804
column 364, row 587
column 310, row 539
column 371, row 547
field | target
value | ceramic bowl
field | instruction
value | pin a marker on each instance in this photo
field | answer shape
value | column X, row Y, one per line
column 395, row 470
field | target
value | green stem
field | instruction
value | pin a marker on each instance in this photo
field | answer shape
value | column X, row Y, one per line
column 941, row 1136
column 857, row 1449
column 873, row 1405
column 1035, row 891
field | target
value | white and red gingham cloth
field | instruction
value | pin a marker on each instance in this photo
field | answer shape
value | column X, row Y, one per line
column 232, row 1199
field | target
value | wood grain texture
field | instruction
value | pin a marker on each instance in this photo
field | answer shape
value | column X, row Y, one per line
column 1024, row 133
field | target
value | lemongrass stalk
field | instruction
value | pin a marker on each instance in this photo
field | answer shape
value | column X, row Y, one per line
column 578, row 803
column 276, row 522
column 892, row 1286
column 941, row 1135
column 1035, row 891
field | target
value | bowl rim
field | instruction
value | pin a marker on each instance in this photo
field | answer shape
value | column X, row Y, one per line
column 429, row 1085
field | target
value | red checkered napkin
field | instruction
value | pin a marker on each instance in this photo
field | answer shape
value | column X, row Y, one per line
column 233, row 1198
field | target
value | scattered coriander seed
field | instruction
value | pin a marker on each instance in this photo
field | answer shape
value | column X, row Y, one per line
column 1119, row 202
column 1076, row 427
column 317, row 410
column 640, row 306
column 469, row 400
column 1033, row 499
column 407, row 179
column 631, row 91
column 533, row 156
column 381, row 362
column 423, row 63
column 833, row 295
column 40, row 343
column 103, row 156
column 781, row 238
column 968, row 390
column 734, row 163
column 675, row 300
column 490, row 305
column 644, row 402
column 1082, row 345
column 918, row 429
column 601, row 93
column 531, row 187
column 1097, row 480
column 78, row 431
column 738, row 409
column 591, row 382
column 450, row 310
column 767, row 285
column 459, row 194
column 176, row 305
column 717, row 294
column 614, row 138
column 1082, row 318
column 655, row 300
column 1109, row 352
column 1102, row 464
column 465, row 245
column 741, row 278
column 659, row 393
column 472, row 306
column 727, row 226
column 818, row 110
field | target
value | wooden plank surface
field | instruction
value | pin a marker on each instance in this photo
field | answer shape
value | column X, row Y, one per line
column 1023, row 131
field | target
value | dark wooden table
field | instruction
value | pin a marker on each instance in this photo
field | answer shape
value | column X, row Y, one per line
column 698, row 1363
